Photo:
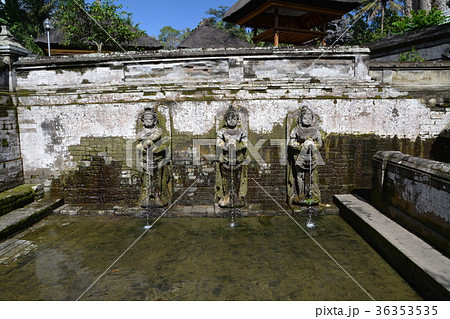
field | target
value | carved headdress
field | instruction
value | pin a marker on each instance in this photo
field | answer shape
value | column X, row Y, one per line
column 150, row 111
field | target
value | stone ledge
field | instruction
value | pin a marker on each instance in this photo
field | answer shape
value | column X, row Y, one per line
column 18, row 197
column 26, row 216
column 426, row 270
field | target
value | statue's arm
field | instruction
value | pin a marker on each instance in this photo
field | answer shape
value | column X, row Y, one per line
column 319, row 140
column 243, row 141
column 293, row 140
column 220, row 140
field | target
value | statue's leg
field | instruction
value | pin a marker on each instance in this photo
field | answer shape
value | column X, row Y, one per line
column 315, row 190
column 236, row 187
column 226, row 177
column 157, row 176
column 301, row 183
column 145, row 192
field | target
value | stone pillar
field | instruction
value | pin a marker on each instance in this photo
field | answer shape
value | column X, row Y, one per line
column 11, row 168
column 10, row 51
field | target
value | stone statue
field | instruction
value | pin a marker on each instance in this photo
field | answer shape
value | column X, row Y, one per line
column 154, row 146
column 303, row 147
column 231, row 142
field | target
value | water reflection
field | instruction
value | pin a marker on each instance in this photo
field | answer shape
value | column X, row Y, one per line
column 267, row 258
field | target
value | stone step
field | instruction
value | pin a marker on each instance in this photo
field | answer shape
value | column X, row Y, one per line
column 425, row 268
column 27, row 216
column 18, row 197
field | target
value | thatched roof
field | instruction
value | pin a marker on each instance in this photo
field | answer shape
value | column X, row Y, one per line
column 208, row 36
column 57, row 36
column 243, row 7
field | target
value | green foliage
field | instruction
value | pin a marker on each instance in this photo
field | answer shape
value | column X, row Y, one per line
column 371, row 23
column 101, row 23
column 411, row 56
column 215, row 18
column 25, row 19
column 170, row 37
column 366, row 30
column 418, row 20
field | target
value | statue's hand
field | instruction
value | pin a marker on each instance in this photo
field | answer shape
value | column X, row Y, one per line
column 148, row 143
column 309, row 142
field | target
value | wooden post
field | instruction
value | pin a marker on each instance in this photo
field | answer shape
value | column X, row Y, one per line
column 255, row 31
column 324, row 29
column 276, row 38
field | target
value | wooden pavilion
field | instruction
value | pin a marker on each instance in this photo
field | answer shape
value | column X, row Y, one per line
column 288, row 21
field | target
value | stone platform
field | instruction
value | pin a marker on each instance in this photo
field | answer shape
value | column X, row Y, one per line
column 175, row 211
column 426, row 269
column 26, row 216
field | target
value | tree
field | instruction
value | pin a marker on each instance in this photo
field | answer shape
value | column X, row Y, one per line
column 25, row 19
column 170, row 37
column 101, row 23
column 215, row 18
column 378, row 8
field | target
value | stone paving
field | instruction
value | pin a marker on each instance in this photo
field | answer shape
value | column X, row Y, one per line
column 12, row 249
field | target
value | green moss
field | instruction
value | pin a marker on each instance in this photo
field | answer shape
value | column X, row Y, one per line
column 257, row 91
column 5, row 143
column 329, row 97
column 65, row 90
column 25, row 92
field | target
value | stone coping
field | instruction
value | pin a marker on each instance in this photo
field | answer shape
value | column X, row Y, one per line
column 426, row 269
column 440, row 32
column 373, row 65
column 133, row 56
column 18, row 197
column 440, row 169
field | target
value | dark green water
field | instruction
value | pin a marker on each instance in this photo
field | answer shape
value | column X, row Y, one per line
column 265, row 258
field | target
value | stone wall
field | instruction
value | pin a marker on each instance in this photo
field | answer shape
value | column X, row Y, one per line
column 78, row 118
column 429, row 43
column 416, row 193
column 428, row 81
column 11, row 171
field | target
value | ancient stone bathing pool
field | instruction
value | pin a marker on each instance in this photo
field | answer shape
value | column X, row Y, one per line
column 265, row 258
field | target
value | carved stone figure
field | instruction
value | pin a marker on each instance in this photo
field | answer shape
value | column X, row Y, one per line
column 303, row 151
column 231, row 142
column 154, row 146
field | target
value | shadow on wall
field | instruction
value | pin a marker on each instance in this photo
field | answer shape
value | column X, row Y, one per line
column 440, row 150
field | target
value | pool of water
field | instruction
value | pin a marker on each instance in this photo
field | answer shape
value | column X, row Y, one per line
column 265, row 258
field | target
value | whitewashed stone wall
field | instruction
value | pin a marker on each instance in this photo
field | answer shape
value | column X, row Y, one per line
column 62, row 100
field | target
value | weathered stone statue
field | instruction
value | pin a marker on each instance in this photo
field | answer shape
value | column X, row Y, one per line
column 154, row 163
column 303, row 152
column 231, row 143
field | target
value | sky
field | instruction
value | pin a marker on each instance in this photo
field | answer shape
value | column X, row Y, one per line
column 153, row 15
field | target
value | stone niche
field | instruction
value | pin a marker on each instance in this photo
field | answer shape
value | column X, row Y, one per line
column 231, row 183
column 415, row 192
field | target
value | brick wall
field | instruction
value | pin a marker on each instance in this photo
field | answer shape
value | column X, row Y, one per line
column 11, row 170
